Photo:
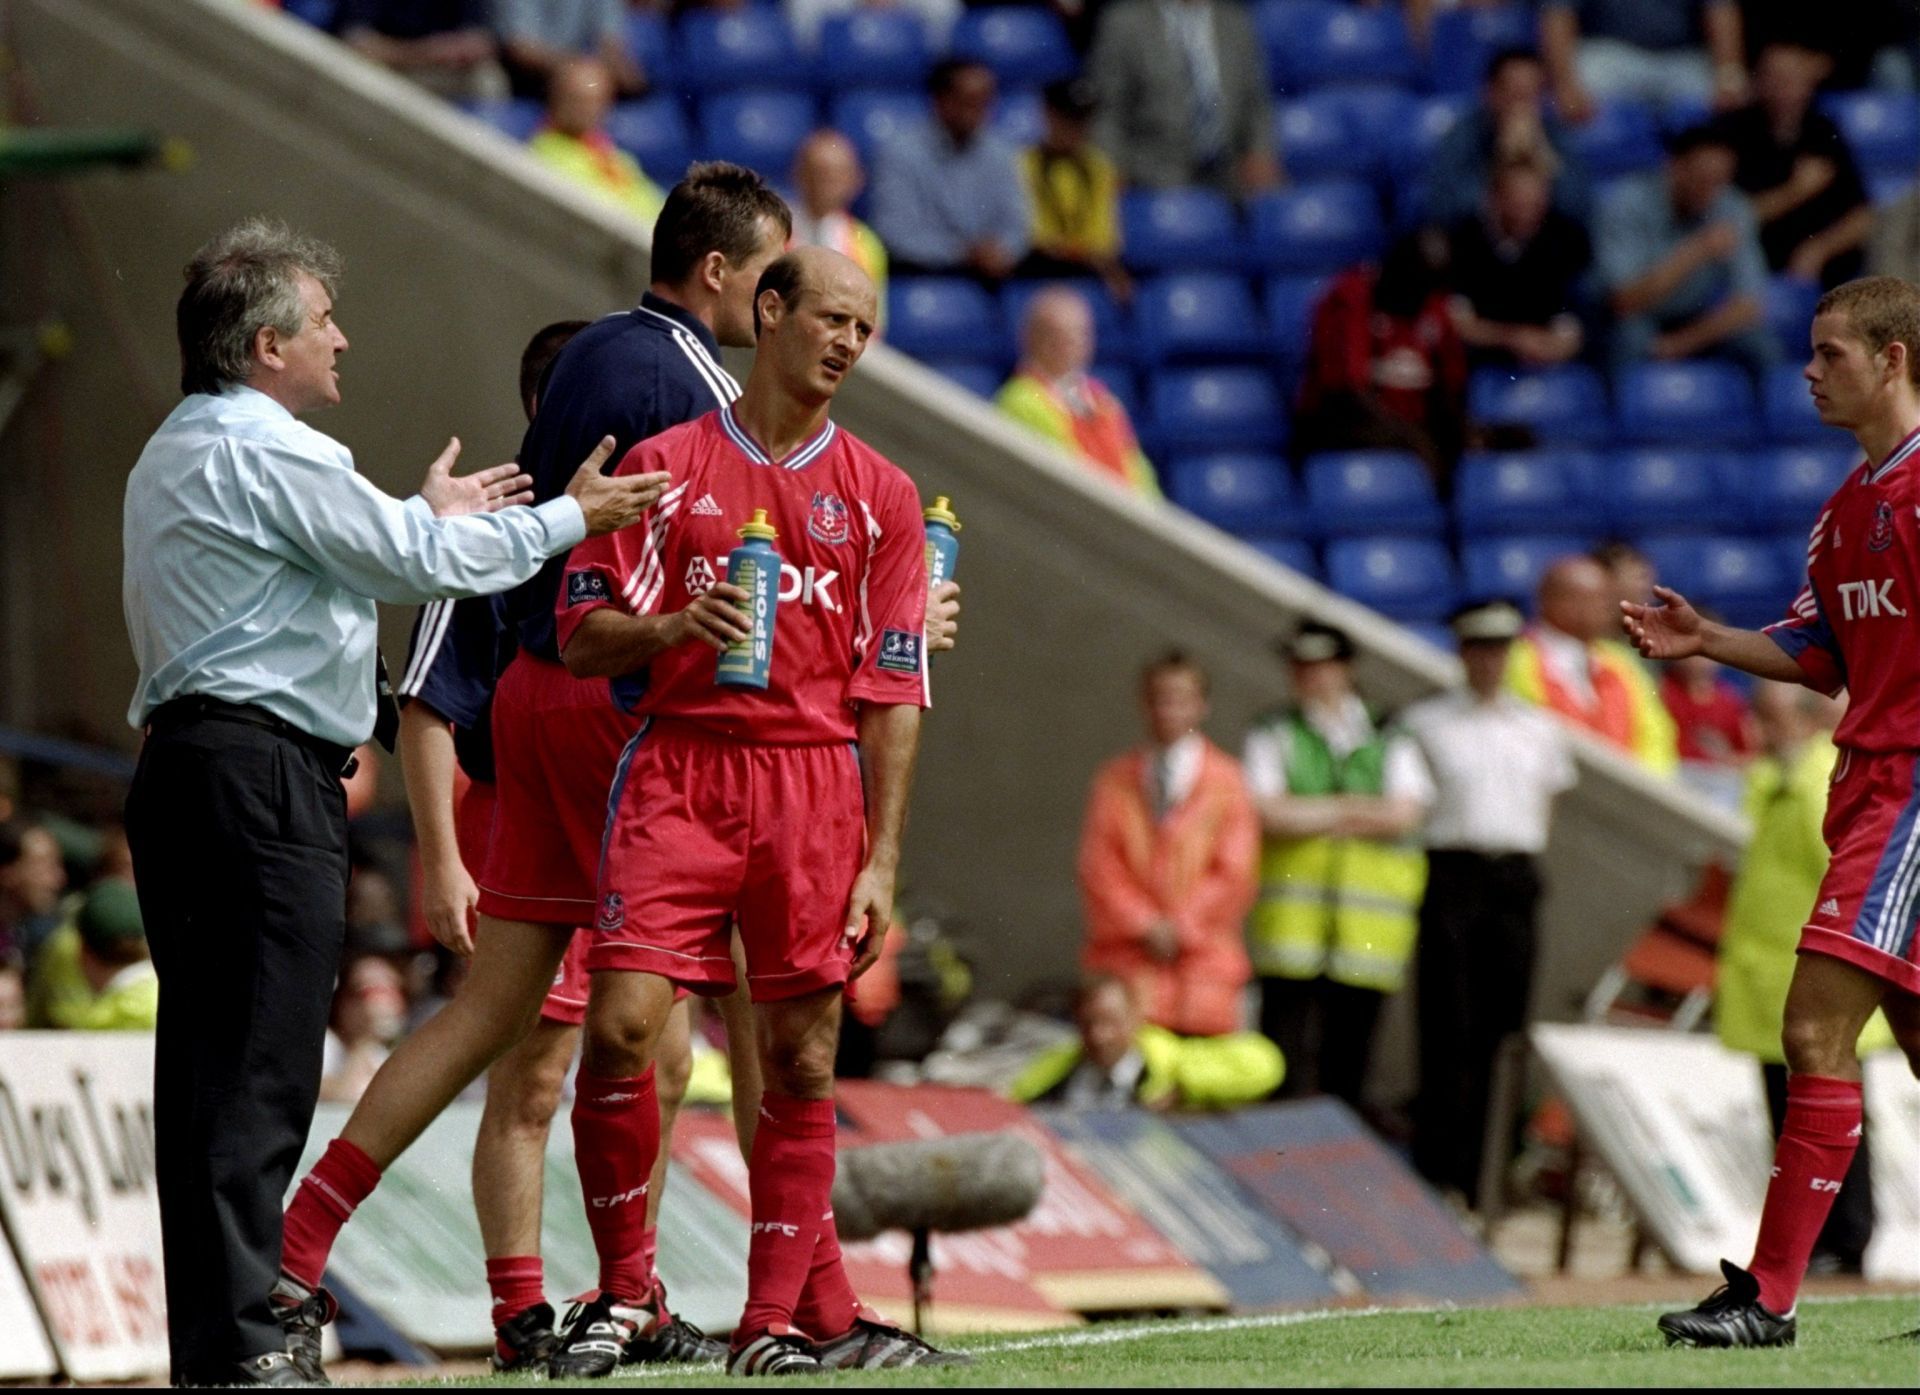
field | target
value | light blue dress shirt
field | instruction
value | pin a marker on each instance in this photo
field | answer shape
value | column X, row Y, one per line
column 932, row 199
column 254, row 555
column 1638, row 227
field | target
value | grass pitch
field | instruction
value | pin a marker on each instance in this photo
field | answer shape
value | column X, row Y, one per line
column 1842, row 1343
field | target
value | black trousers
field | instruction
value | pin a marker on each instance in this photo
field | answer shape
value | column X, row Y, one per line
column 1849, row 1226
column 1474, row 970
column 1324, row 1030
column 239, row 838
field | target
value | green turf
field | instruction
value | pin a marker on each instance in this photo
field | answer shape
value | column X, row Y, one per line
column 1841, row 1344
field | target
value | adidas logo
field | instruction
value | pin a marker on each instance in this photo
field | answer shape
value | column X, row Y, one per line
column 1830, row 906
column 704, row 507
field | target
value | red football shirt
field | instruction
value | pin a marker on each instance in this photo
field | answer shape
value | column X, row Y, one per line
column 851, row 624
column 1857, row 623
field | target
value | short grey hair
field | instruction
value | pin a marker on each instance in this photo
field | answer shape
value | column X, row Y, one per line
column 245, row 280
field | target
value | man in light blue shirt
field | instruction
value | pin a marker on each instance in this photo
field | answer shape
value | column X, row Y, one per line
column 948, row 197
column 254, row 557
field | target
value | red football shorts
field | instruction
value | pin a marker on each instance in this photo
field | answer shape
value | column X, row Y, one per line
column 473, row 825
column 1865, row 912
column 556, row 741
column 703, row 829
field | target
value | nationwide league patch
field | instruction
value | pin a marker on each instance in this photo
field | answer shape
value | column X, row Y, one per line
column 899, row 651
column 827, row 519
column 586, row 586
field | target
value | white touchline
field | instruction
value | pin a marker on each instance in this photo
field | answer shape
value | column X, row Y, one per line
column 1105, row 1336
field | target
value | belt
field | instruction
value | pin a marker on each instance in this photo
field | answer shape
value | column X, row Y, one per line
column 196, row 707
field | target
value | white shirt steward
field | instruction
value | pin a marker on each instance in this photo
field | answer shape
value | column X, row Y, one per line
column 254, row 558
column 1497, row 766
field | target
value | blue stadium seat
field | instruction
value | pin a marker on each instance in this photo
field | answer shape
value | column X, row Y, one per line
column 516, row 118
column 1685, row 404
column 1787, row 408
column 871, row 117
column 650, row 42
column 1378, row 118
column 758, row 129
column 1786, row 487
column 653, row 131
column 1464, row 39
column 980, row 379
column 721, row 49
column 1436, row 633
column 945, row 317
column 1111, row 339
column 1022, row 44
column 1405, row 578
column 1512, row 567
column 1313, row 134
column 1166, row 229
column 1888, row 186
column 1339, row 43
column 321, row 14
column 1746, row 581
column 1291, row 301
column 1525, row 492
column 1671, row 491
column 1412, row 149
column 1317, row 227
column 1790, row 303
column 1882, row 128
column 855, row 47
column 1019, row 117
column 1197, row 316
column 1358, row 492
column 1567, row 405
column 1290, row 553
column 1622, row 137
column 1200, row 409
column 1242, row 492
column 1119, row 380
column 1790, row 552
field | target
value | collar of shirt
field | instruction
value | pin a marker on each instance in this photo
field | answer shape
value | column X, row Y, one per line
column 248, row 402
column 683, row 317
column 1092, row 1086
column 1568, row 657
column 1345, row 727
column 1182, row 765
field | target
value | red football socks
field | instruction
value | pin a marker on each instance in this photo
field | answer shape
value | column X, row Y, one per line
column 1817, row 1143
column 790, row 1179
column 326, row 1197
column 616, row 1136
column 828, row 1304
column 649, row 1250
column 518, row 1283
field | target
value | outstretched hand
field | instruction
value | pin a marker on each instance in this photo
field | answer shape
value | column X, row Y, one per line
column 484, row 491
column 1671, row 630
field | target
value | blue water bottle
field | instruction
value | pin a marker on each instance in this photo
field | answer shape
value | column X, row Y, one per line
column 755, row 568
column 943, row 548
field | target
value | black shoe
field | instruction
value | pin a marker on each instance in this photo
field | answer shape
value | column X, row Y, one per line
column 1731, row 1317
column 302, row 1313
column 781, row 1353
column 671, row 1340
column 526, row 1342
column 874, row 1344
column 275, row 1368
column 597, row 1334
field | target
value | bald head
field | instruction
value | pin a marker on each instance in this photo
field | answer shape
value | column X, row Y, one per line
column 827, row 173
column 1056, row 336
column 1577, row 598
column 579, row 96
column 813, row 313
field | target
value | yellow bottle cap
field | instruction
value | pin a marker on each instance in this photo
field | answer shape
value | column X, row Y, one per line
column 942, row 513
column 759, row 527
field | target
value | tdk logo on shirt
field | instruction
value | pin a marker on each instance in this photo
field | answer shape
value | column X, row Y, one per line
column 586, row 586
column 811, row 586
column 1868, row 600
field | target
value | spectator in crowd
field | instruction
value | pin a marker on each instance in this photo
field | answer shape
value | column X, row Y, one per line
column 1497, row 766
column 1121, row 1060
column 1512, row 122
column 828, row 177
column 1629, row 571
column 1052, row 392
column 1167, row 863
column 1386, row 367
column 574, row 141
column 32, row 876
column 1863, row 41
column 1794, row 164
column 936, row 16
column 13, row 997
column 1786, row 798
column 93, row 974
column 1075, row 193
column 1517, row 270
column 369, row 1016
column 1895, row 249
column 1716, row 731
column 444, row 45
column 537, row 37
column 947, row 197
column 1570, row 661
column 1661, row 52
column 1341, row 796
column 1181, row 87
column 1680, row 260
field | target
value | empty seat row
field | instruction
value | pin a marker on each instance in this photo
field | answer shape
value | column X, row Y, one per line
column 1707, row 404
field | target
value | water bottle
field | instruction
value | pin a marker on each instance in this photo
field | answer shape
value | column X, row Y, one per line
column 755, row 568
column 943, row 548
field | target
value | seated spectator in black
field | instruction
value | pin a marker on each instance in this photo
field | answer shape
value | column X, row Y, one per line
column 32, row 876
column 1680, row 260
column 1511, row 122
column 1386, row 368
column 444, row 45
column 1516, row 272
column 1182, row 92
column 1795, row 165
column 1074, row 190
column 1122, row 1060
column 538, row 36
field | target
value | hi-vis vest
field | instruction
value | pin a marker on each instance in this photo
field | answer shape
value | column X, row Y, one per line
column 1626, row 710
column 1347, row 908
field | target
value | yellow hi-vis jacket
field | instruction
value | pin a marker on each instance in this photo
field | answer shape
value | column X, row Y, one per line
column 1626, row 709
column 1346, row 908
column 1222, row 1072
